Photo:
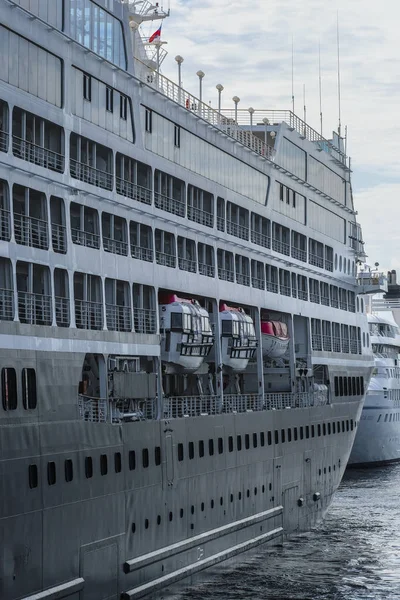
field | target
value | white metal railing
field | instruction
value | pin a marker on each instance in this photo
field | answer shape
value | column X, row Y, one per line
column 112, row 410
column 329, row 265
column 167, row 260
column 59, row 238
column 239, row 231
column 171, row 205
column 185, row 264
column 85, row 238
column 302, row 295
column 336, row 346
column 90, row 174
column 30, row 231
column 6, row 305
column 334, row 302
column 243, row 279
column 133, row 191
column 345, row 345
column 88, row 315
column 226, row 274
column 261, row 239
column 316, row 341
column 5, row 225
column 343, row 305
column 315, row 260
column 257, row 283
column 118, row 318
column 202, row 110
column 115, row 246
column 299, row 254
column 34, row 309
column 281, row 247
column 144, row 320
column 94, row 410
column 4, row 141
column 62, row 311
column 327, row 342
column 200, row 216
column 207, row 270
column 38, row 155
column 284, row 290
column 220, row 223
column 353, row 346
column 314, row 298
column 325, row 300
column 142, row 253
column 271, row 286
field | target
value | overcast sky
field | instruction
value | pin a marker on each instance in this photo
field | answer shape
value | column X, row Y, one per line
column 246, row 45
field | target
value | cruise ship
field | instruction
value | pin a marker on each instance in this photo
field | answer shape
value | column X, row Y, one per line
column 184, row 356
column 378, row 435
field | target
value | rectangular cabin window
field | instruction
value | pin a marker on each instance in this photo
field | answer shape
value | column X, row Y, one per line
column 109, row 99
column 88, row 467
column 211, row 447
column 262, row 438
column 157, row 456
column 191, row 450
column 148, row 120
column 123, row 107
column 9, row 388
column 51, row 473
column 201, row 448
column 132, row 460
column 230, row 443
column 87, row 87
column 145, row 458
column 247, row 441
column 68, row 470
column 103, row 464
column 33, row 476
column 177, row 136
column 117, row 462
column 269, row 438
column 220, row 445
column 180, row 452
column 29, row 397
column 239, row 443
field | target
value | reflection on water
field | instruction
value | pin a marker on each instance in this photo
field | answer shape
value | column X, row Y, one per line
column 353, row 555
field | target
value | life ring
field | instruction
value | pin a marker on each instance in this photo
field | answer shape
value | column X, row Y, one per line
column 187, row 103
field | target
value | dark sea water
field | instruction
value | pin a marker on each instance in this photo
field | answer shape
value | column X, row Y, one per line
column 353, row 555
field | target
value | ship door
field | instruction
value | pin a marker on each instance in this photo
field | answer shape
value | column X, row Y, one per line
column 290, row 496
column 99, row 568
column 169, row 470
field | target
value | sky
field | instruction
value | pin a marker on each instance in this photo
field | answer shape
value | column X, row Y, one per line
column 246, row 45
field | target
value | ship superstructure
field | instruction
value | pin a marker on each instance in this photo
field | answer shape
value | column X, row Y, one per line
column 178, row 306
column 378, row 436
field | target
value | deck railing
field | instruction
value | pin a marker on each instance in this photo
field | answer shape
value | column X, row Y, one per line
column 115, row 246
column 207, row 270
column 59, row 238
column 30, row 231
column 90, row 174
column 4, row 141
column 6, row 305
column 44, row 157
column 132, row 190
column 261, row 239
column 5, row 225
column 118, row 318
column 88, row 315
column 167, row 260
column 144, row 320
column 200, row 216
column 62, row 311
column 85, row 238
column 142, row 253
column 35, row 309
column 239, row 231
column 171, row 205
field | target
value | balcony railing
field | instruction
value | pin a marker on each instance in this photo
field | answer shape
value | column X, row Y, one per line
column 167, row 260
column 62, row 311
column 119, row 318
column 31, row 232
column 142, row 253
column 317, row 261
column 38, row 155
column 226, row 274
column 220, row 223
column 243, row 279
column 88, row 315
column 336, row 347
column 239, row 231
column 91, row 175
column 186, row 264
column 271, row 286
column 34, row 309
column 325, row 300
column 115, row 246
column 85, row 238
column 207, row 270
column 261, row 239
column 4, row 141
column 132, row 190
column 6, row 305
column 334, row 302
column 59, row 238
column 144, row 320
column 343, row 305
column 257, row 283
column 299, row 254
column 351, row 307
column 317, row 341
column 314, row 298
column 353, row 346
column 5, row 225
column 200, row 216
column 345, row 345
column 328, row 265
column 284, row 290
column 327, row 342
column 302, row 295
column 281, row 247
column 176, row 207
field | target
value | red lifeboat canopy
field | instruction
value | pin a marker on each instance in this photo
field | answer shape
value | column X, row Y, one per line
column 224, row 306
column 267, row 328
column 171, row 298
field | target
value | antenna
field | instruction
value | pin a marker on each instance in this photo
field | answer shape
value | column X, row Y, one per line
column 338, row 68
column 304, row 105
column 320, row 85
column 292, row 77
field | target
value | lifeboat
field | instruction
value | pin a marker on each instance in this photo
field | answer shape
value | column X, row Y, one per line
column 238, row 338
column 274, row 338
column 187, row 337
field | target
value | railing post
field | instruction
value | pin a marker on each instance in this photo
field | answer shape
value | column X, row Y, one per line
column 218, row 358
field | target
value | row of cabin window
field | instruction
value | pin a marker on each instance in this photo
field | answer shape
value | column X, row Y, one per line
column 127, row 306
column 9, row 388
column 335, row 337
column 109, row 96
column 249, row 441
column 203, row 506
column 389, row 417
column 349, row 386
column 89, row 466
column 92, row 163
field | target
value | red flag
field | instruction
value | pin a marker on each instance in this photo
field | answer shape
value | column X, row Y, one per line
column 156, row 34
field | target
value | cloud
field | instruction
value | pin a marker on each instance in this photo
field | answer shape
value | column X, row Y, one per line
column 247, row 46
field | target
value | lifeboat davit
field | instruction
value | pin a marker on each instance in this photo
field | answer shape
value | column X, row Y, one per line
column 186, row 335
column 274, row 338
column 238, row 338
